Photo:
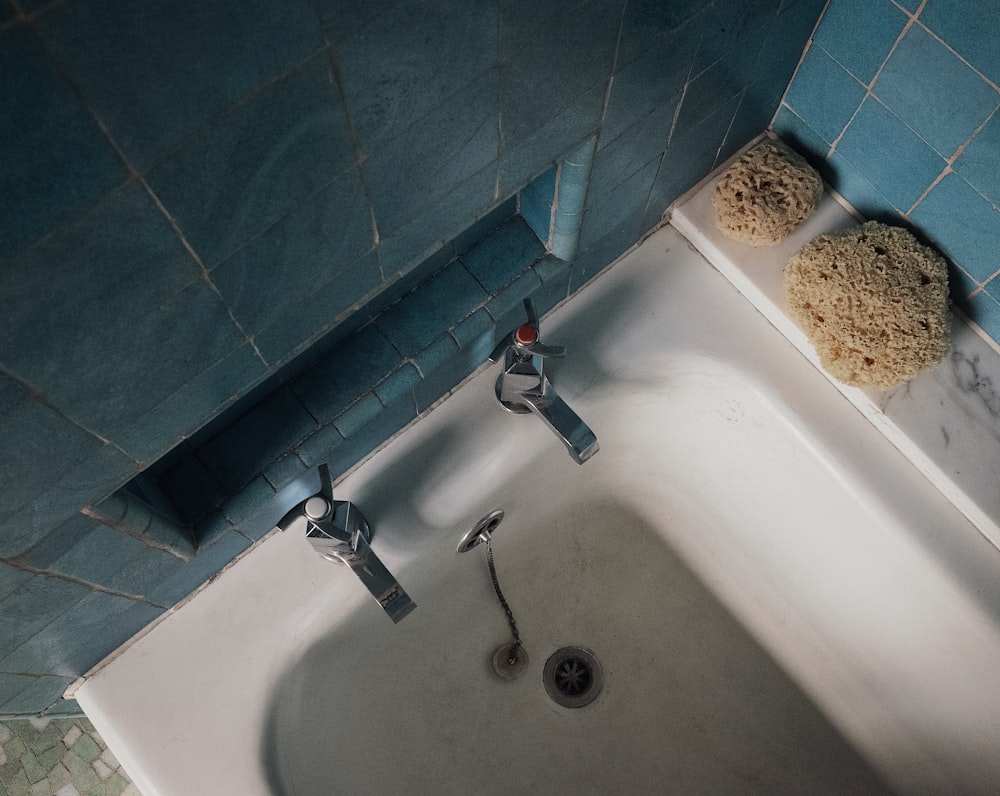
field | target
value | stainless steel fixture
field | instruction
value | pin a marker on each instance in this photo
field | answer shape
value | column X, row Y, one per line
column 338, row 531
column 523, row 387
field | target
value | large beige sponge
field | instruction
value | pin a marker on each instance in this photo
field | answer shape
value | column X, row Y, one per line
column 873, row 301
column 766, row 194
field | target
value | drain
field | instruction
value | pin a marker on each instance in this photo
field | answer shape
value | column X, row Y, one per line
column 573, row 677
column 510, row 661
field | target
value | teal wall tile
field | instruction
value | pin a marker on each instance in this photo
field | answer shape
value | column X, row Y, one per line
column 33, row 606
column 283, row 199
column 147, row 71
column 30, row 694
column 901, row 173
column 444, row 299
column 921, row 149
column 825, row 94
column 11, row 579
column 110, row 292
column 244, row 449
column 346, row 373
column 968, row 28
column 535, row 203
column 918, row 66
column 210, row 559
column 502, row 255
column 860, row 49
column 56, row 159
column 268, row 155
column 98, row 623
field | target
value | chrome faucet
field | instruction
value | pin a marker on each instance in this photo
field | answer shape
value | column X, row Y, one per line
column 338, row 531
column 522, row 387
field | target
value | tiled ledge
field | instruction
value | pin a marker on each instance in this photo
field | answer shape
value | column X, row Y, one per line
column 946, row 420
column 370, row 386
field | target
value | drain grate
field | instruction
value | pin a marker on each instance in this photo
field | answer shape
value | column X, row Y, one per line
column 573, row 677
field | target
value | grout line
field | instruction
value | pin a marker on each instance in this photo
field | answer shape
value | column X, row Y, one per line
column 16, row 563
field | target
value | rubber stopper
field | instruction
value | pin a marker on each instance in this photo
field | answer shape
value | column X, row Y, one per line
column 526, row 335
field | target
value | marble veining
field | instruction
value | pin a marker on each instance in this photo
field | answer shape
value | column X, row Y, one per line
column 946, row 420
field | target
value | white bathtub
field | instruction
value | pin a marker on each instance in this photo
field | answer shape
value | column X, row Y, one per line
column 781, row 602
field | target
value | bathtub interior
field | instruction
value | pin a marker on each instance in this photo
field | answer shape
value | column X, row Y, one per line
column 768, row 581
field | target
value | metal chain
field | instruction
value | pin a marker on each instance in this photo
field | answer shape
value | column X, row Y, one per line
column 503, row 601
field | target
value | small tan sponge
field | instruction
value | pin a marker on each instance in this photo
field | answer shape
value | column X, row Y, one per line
column 873, row 301
column 766, row 194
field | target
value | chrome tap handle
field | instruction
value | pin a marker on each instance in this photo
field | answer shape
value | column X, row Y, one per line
column 524, row 339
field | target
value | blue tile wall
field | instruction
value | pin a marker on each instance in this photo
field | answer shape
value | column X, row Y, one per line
column 198, row 201
column 896, row 103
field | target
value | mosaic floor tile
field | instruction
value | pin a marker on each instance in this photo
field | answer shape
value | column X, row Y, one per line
column 58, row 757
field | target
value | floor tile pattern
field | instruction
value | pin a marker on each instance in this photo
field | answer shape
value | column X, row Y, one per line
column 58, row 757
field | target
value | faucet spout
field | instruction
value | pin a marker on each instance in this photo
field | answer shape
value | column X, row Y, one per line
column 576, row 435
column 339, row 532
column 523, row 387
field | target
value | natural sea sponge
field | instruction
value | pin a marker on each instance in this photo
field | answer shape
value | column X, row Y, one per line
column 873, row 301
column 766, row 194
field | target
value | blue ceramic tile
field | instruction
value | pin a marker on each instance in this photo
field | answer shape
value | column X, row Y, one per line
column 535, row 203
column 644, row 85
column 284, row 470
column 160, row 71
column 366, row 438
column 430, row 157
column 398, row 383
column 860, row 48
column 97, row 343
column 321, row 447
column 358, row 414
column 421, row 316
column 39, row 448
column 30, row 694
column 619, row 212
column 655, row 26
column 484, row 225
column 192, row 405
column 500, row 257
column 528, row 156
column 443, row 366
column 11, row 579
column 55, row 158
column 259, row 162
column 570, row 59
column 960, row 284
column 979, row 162
column 350, row 370
column 507, row 306
column 963, row 224
column 81, row 636
column 279, row 273
column 85, row 550
column 852, row 185
column 554, row 276
column 720, row 82
column 324, row 306
column 209, row 560
column 911, row 86
column 29, row 609
column 211, row 528
column 243, row 450
column 618, row 160
column 970, row 28
column 477, row 335
column 794, row 131
column 433, row 224
column 344, row 18
column 992, row 287
column 890, row 156
column 783, row 47
column 253, row 510
column 984, row 310
column 824, row 94
column 408, row 62
column 729, row 25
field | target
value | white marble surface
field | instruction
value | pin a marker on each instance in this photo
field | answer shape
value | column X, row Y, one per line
column 946, row 420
